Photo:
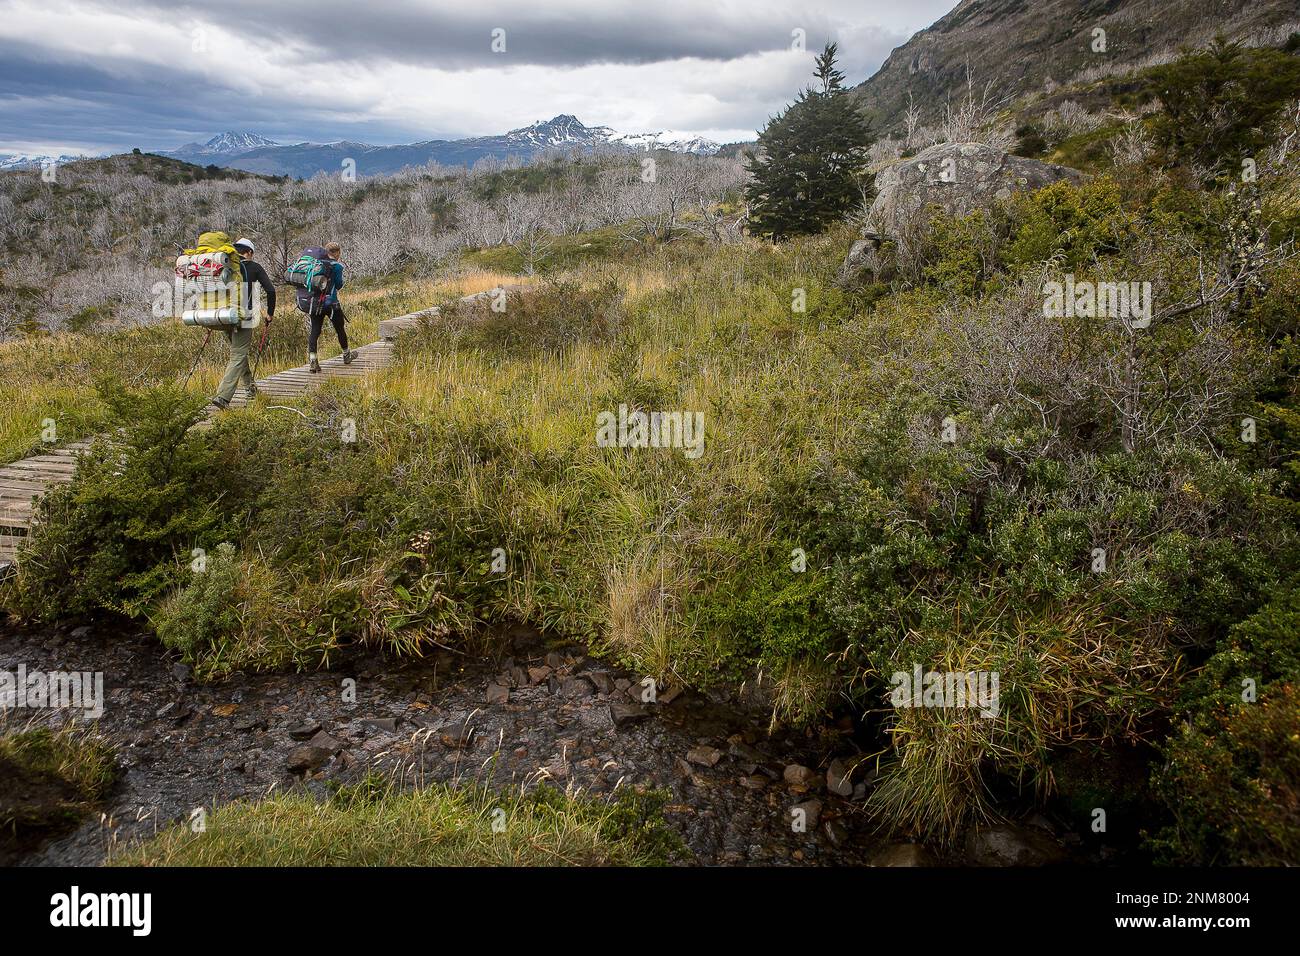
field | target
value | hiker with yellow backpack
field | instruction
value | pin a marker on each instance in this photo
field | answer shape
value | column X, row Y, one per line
column 218, row 278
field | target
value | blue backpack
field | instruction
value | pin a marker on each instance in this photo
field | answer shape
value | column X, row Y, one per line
column 311, row 275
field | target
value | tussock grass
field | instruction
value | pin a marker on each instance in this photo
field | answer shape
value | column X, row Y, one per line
column 375, row 823
column 637, row 533
column 52, row 776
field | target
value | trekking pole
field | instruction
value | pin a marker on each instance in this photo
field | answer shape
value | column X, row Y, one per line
column 261, row 347
column 197, row 355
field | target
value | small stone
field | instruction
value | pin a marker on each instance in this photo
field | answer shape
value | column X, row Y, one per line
column 575, row 688
column 248, row 722
column 224, row 710
column 797, row 775
column 755, row 781
column 305, row 730
column 639, row 692
column 181, row 672
column 903, row 854
column 80, row 632
column 704, row 756
column 625, row 713
column 497, row 694
column 386, row 725
column 177, row 712
column 837, row 779
column 1011, row 845
column 812, row 810
column 744, row 751
column 305, row 758
column 667, row 695
column 538, row 674
column 602, row 680
column 325, row 742
column 596, row 718
column 554, row 660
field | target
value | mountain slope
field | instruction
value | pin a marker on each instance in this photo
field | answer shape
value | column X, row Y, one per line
column 1019, row 45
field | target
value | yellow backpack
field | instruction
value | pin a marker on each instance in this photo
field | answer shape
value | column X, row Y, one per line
column 213, row 277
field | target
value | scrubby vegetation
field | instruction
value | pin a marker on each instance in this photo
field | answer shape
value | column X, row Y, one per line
column 931, row 471
column 84, row 252
column 376, row 823
column 49, row 780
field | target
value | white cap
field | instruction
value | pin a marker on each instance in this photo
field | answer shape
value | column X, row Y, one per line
column 246, row 243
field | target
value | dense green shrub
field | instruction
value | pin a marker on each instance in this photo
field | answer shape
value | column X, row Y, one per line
column 142, row 499
column 1219, row 104
column 1232, row 785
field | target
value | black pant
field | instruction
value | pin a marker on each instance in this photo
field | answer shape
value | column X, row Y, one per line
column 335, row 314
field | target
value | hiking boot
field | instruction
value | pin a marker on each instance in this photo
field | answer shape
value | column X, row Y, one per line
column 312, row 364
column 348, row 356
column 252, row 391
column 221, row 403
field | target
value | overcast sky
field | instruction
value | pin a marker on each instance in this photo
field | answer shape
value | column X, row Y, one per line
column 107, row 75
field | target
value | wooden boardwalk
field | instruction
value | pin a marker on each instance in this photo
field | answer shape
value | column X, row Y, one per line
column 23, row 482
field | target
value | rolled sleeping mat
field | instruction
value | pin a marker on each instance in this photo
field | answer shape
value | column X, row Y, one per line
column 227, row 318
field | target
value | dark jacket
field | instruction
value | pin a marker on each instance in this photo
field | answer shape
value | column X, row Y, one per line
column 253, row 272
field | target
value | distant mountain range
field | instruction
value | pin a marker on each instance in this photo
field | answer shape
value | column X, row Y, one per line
column 10, row 161
column 256, row 154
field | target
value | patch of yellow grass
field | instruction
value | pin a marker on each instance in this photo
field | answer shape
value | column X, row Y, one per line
column 479, row 280
column 645, row 282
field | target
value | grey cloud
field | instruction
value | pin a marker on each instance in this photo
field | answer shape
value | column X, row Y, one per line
column 460, row 37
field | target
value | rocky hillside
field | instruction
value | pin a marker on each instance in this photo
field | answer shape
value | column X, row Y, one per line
column 1022, row 45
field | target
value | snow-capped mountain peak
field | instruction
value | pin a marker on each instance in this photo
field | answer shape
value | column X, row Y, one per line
column 568, row 130
column 232, row 142
column 229, row 143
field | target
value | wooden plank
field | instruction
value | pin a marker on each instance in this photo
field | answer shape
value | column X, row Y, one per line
column 45, row 479
column 23, row 498
column 42, row 466
column 38, row 481
column 59, row 461
column 51, row 460
column 17, row 485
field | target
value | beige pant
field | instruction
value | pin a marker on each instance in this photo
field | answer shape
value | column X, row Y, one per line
column 238, row 371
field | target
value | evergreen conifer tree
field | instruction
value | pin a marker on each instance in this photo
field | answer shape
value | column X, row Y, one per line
column 809, row 165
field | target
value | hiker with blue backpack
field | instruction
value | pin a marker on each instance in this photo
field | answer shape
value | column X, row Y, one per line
column 318, row 275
